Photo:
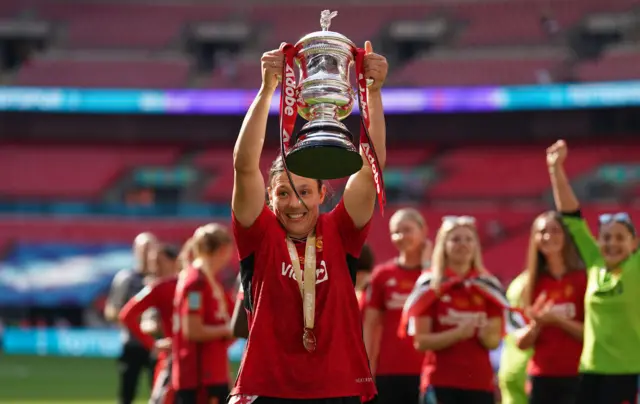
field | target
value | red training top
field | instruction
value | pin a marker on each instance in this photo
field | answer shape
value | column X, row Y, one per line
column 466, row 364
column 389, row 289
column 275, row 363
column 567, row 295
column 199, row 364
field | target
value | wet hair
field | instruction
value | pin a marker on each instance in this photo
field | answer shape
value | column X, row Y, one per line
column 366, row 260
column 206, row 240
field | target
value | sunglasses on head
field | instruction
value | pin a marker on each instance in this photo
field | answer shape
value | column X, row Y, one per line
column 620, row 217
column 460, row 220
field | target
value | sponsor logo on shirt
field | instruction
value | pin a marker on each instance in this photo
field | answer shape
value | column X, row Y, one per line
column 456, row 317
column 565, row 310
column 396, row 300
column 322, row 275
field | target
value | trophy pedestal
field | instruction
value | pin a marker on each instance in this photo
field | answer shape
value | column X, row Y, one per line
column 324, row 150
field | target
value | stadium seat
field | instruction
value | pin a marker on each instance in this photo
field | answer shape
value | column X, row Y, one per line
column 67, row 172
column 124, row 73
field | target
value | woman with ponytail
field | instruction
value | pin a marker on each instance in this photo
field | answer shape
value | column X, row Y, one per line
column 201, row 323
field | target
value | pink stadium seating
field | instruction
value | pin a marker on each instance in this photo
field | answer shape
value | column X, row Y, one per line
column 612, row 66
column 111, row 73
column 508, row 171
column 71, row 171
column 148, row 25
column 464, row 72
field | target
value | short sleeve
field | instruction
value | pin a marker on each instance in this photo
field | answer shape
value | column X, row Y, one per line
column 352, row 238
column 248, row 238
column 583, row 239
column 193, row 299
column 375, row 292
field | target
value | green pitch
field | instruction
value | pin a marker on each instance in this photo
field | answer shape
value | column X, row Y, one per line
column 55, row 380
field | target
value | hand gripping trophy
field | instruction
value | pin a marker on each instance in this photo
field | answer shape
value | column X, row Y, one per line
column 323, row 148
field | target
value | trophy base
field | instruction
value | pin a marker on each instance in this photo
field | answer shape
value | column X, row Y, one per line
column 324, row 152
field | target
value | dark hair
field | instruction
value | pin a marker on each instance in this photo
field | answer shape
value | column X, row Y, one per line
column 366, row 260
column 537, row 264
column 277, row 167
column 169, row 251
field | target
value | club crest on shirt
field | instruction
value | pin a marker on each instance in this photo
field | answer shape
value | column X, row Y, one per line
column 568, row 291
column 195, row 300
column 319, row 243
column 406, row 284
column 322, row 274
column 477, row 300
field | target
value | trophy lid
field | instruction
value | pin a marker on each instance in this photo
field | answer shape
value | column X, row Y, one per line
column 325, row 35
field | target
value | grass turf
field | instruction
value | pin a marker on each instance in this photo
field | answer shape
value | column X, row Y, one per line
column 62, row 380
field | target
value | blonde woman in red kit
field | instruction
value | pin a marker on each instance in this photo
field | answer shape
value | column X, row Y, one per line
column 394, row 361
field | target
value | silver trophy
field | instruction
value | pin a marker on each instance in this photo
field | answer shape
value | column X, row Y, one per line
column 323, row 148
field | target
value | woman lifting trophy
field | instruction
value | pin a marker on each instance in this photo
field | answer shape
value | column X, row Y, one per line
column 297, row 265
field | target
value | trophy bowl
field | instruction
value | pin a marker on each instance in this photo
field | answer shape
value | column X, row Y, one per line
column 323, row 148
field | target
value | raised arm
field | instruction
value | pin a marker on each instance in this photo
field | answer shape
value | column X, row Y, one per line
column 360, row 193
column 248, row 187
column 563, row 195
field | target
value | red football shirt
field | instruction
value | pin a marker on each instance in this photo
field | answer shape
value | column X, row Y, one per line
column 567, row 294
column 198, row 364
column 466, row 364
column 275, row 363
column 158, row 295
column 389, row 289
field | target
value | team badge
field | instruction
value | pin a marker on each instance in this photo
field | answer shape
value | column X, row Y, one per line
column 568, row 291
column 319, row 243
column 477, row 300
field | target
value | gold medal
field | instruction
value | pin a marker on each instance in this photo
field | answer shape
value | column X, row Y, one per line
column 307, row 285
column 309, row 340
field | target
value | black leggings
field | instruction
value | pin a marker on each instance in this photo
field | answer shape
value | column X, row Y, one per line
column 597, row 388
column 448, row 395
column 394, row 389
column 215, row 394
column 553, row 389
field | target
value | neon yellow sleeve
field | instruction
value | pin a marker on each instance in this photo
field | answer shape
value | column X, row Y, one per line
column 582, row 237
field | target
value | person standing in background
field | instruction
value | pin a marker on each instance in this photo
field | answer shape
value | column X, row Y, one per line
column 158, row 296
column 394, row 361
column 553, row 298
column 610, row 361
column 512, row 376
column 126, row 284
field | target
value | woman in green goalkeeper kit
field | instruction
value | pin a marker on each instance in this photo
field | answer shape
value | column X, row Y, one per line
column 610, row 361
column 512, row 375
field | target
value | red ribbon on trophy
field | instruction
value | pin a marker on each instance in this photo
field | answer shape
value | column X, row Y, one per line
column 289, row 113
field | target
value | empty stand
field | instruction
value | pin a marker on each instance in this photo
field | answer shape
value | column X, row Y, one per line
column 510, row 171
column 70, row 172
column 142, row 25
column 429, row 71
column 614, row 65
column 105, row 73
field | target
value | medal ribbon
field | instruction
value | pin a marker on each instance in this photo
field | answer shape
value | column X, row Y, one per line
column 306, row 281
column 366, row 145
